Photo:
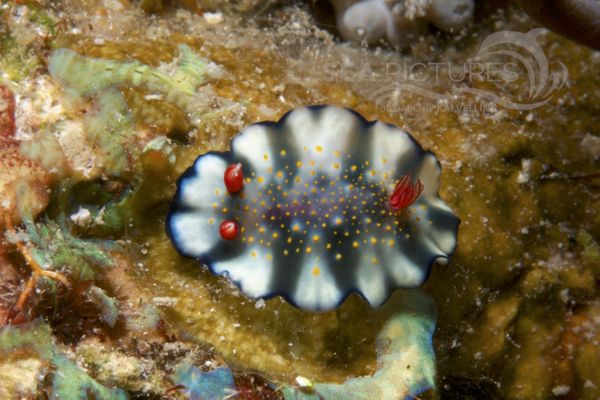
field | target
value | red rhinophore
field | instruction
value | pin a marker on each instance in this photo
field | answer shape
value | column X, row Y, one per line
column 234, row 178
column 405, row 193
column 228, row 229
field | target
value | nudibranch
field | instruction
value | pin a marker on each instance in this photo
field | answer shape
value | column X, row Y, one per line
column 315, row 206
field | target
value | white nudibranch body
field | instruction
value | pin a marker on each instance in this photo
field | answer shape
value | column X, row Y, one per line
column 331, row 204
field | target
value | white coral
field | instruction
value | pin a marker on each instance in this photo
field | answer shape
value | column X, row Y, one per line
column 398, row 21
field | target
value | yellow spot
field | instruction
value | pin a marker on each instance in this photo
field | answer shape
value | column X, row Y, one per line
column 336, row 165
column 215, row 205
column 261, row 229
column 289, row 240
column 318, row 149
column 308, row 250
column 260, row 179
column 253, row 254
column 338, row 256
column 373, row 240
column 316, row 238
column 217, row 191
column 248, row 180
column 266, row 156
column 353, row 168
column 355, row 245
column 299, row 164
column 211, row 221
column 316, row 271
column 383, row 159
column 336, row 153
column 224, row 210
column 279, row 174
column 374, row 260
column 269, row 257
column 296, row 228
column 285, row 252
column 250, row 239
column 275, row 235
column 283, row 152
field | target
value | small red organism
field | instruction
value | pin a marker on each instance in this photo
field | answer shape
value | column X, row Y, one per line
column 405, row 193
column 234, row 178
column 228, row 229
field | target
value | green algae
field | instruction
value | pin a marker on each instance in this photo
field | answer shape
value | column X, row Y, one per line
column 110, row 127
column 56, row 248
column 109, row 310
column 110, row 130
column 35, row 338
column 30, row 31
column 405, row 356
column 71, row 383
column 68, row 380
column 87, row 76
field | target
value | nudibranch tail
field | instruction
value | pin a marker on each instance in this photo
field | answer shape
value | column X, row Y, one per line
column 316, row 221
